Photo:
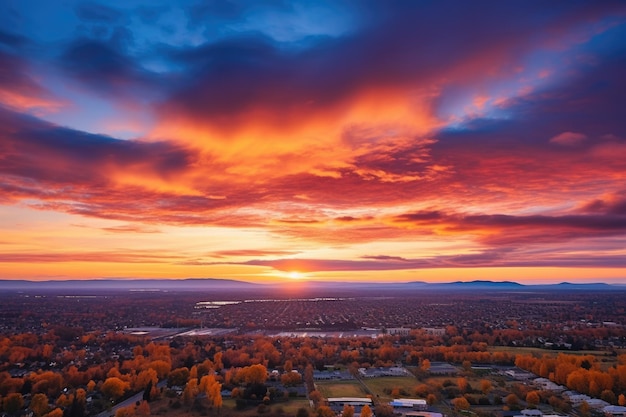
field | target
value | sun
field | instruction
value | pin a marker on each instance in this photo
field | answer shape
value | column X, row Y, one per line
column 295, row 275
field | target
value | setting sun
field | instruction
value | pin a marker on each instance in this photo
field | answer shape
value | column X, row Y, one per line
column 296, row 275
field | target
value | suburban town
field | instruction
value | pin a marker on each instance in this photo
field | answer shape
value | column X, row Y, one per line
column 487, row 354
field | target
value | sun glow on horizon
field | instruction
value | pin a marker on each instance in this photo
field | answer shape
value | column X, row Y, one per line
column 296, row 275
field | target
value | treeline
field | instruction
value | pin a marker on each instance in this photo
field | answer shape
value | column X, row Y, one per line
column 582, row 373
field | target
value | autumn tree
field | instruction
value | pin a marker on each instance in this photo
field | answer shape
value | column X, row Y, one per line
column 532, row 398
column 348, row 411
column 384, row 410
column 13, row 402
column 161, row 367
column 462, row 384
column 461, row 403
column 425, row 365
column 253, row 374
column 114, row 387
column 325, row 411
column 145, row 377
column 366, row 411
column 39, row 404
column 91, row 385
column 57, row 412
column 485, row 386
column 608, row 396
column 290, row 379
column 143, row 409
column 316, row 397
column 128, row 411
column 190, row 392
column 621, row 400
column 178, row 377
column 512, row 401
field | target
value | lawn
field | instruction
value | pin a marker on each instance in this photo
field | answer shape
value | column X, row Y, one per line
column 340, row 389
column 377, row 386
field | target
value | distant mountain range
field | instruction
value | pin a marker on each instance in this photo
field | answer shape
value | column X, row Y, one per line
column 227, row 285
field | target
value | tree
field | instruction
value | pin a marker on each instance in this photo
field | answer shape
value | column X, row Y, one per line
column 512, row 401
column 315, row 396
column 143, row 409
column 384, row 410
column 114, row 388
column 291, row 379
column 161, row 367
column 145, row 377
column 425, row 365
column 608, row 396
column 91, row 385
column 57, row 412
column 178, row 377
column 190, row 392
column 254, row 374
column 431, row 399
column 485, row 386
column 366, row 411
column 461, row 403
column 126, row 411
column 13, row 402
column 462, row 384
column 348, row 411
column 532, row 398
column 621, row 400
column 325, row 411
column 39, row 404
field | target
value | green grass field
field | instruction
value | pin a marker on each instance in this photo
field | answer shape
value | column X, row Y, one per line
column 378, row 386
column 340, row 389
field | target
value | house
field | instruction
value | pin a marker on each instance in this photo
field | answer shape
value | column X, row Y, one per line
column 401, row 405
column 353, row 401
column 337, row 404
column 400, row 331
column 614, row 411
column 576, row 398
column 435, row 331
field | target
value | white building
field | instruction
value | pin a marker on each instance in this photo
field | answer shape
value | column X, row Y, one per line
column 614, row 411
column 401, row 404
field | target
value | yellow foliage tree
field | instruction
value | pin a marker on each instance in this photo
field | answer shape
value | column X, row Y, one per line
column 114, row 387
column 366, row 411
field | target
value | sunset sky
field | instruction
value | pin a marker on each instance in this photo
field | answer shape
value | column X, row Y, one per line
column 338, row 140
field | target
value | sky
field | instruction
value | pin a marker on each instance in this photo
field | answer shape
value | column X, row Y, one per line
column 331, row 140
